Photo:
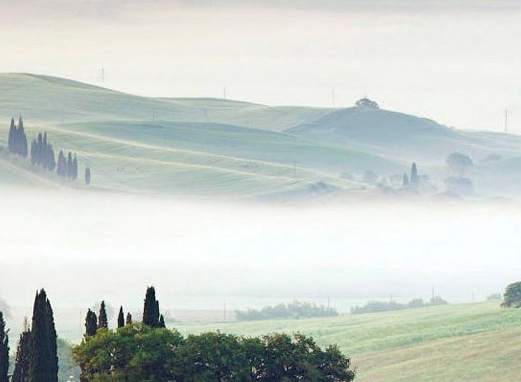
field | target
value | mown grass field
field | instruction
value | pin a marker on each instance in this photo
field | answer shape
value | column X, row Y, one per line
column 466, row 342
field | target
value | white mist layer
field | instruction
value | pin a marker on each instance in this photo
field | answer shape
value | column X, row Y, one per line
column 83, row 248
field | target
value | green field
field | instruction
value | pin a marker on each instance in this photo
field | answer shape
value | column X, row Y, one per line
column 466, row 342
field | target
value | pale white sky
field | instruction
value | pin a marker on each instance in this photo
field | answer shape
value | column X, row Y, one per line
column 457, row 63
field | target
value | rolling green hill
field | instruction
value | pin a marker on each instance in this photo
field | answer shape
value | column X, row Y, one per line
column 230, row 148
column 468, row 342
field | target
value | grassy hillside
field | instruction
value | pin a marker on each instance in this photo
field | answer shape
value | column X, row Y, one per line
column 469, row 342
column 231, row 148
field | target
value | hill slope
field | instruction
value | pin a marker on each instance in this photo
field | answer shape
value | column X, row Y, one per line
column 469, row 342
column 223, row 147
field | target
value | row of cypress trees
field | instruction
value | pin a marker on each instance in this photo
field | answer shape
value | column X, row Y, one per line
column 37, row 352
column 17, row 141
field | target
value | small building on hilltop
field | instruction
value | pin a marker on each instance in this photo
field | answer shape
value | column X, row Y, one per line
column 366, row 102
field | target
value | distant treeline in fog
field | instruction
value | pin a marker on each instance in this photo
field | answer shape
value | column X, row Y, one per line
column 295, row 309
column 384, row 306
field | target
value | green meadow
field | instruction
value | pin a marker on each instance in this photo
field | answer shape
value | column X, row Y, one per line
column 464, row 342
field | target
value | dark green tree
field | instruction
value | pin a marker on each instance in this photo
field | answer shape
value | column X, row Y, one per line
column 151, row 314
column 512, row 296
column 21, row 366
column 128, row 319
column 43, row 357
column 4, row 350
column 102, row 317
column 91, row 323
column 121, row 318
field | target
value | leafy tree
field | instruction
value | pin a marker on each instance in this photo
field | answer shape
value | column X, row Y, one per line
column 121, row 318
column 102, row 318
column 21, row 367
column 133, row 353
column 512, row 296
column 4, row 350
column 151, row 316
column 91, row 323
column 43, row 357
column 459, row 163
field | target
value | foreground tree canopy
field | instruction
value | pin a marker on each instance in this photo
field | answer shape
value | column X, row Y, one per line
column 139, row 353
column 149, row 352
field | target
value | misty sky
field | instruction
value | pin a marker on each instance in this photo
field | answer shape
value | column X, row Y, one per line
column 453, row 61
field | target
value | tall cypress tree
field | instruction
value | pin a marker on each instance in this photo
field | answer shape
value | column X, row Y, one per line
column 121, row 318
column 414, row 174
column 12, row 137
column 102, row 317
column 151, row 309
column 43, row 357
column 4, row 350
column 128, row 319
column 91, row 323
column 21, row 367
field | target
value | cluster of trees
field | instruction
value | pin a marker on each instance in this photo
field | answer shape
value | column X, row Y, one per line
column 294, row 310
column 147, row 351
column 17, row 140
column 37, row 353
column 138, row 352
column 42, row 153
column 384, row 306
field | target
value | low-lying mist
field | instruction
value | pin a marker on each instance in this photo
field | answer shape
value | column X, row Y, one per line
column 85, row 247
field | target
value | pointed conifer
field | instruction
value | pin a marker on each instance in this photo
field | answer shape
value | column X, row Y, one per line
column 91, row 323
column 102, row 317
column 414, row 174
column 43, row 357
column 151, row 308
column 121, row 318
column 21, row 367
column 4, row 350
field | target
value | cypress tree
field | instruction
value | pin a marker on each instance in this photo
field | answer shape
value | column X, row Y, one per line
column 21, row 367
column 121, row 318
column 61, row 168
column 128, row 319
column 21, row 139
column 161, row 323
column 91, row 323
column 102, row 317
column 151, row 308
column 414, row 174
column 4, row 350
column 74, row 171
column 87, row 176
column 43, row 357
column 12, row 137
column 69, row 165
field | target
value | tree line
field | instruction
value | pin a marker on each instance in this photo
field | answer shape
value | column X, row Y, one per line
column 42, row 153
column 295, row 309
